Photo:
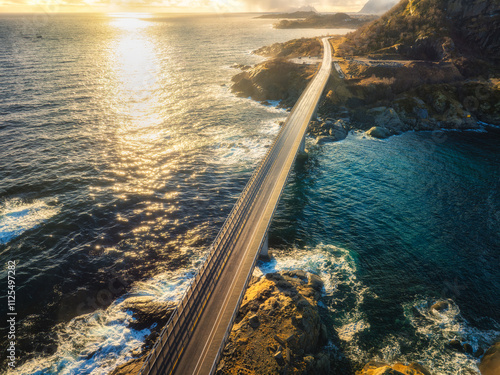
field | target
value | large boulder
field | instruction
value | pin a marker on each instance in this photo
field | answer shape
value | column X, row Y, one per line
column 289, row 333
column 388, row 118
column 381, row 368
column 490, row 364
column 378, row 132
column 339, row 130
column 147, row 311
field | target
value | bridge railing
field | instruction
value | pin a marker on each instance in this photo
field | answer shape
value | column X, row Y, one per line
column 169, row 346
column 175, row 335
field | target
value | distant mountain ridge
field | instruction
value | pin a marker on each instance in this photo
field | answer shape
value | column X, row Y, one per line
column 378, row 6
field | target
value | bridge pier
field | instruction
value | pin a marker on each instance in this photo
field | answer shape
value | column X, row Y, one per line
column 264, row 250
column 302, row 147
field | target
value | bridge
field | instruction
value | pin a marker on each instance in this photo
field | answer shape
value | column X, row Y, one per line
column 193, row 340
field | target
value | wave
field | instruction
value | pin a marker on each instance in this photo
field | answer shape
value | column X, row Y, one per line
column 344, row 296
column 98, row 342
column 18, row 216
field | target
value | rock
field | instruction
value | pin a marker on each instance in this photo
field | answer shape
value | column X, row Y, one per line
column 131, row 367
column 378, row 132
column 479, row 352
column 297, row 273
column 275, row 79
column 456, row 344
column 490, row 363
column 290, row 328
column 254, row 321
column 338, row 130
column 468, row 348
column 315, row 282
column 380, row 368
column 324, row 139
column 387, row 118
column 440, row 306
column 146, row 312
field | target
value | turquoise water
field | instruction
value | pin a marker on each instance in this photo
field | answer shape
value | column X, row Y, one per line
column 124, row 150
column 404, row 223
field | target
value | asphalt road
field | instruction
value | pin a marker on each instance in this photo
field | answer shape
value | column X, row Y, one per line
column 199, row 354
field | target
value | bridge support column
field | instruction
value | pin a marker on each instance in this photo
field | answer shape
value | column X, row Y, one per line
column 264, row 251
column 302, row 147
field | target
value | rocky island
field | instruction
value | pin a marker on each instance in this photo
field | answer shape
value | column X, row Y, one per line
column 325, row 21
column 424, row 65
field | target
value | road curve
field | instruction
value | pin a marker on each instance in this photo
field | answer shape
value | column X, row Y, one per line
column 192, row 341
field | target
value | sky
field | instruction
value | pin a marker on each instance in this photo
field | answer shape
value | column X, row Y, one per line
column 178, row 6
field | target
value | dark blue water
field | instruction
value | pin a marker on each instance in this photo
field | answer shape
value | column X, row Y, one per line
column 123, row 150
column 408, row 221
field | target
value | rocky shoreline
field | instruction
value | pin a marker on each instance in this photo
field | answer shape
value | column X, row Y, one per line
column 382, row 98
column 280, row 329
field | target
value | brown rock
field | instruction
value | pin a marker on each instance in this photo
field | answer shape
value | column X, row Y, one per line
column 254, row 321
column 440, row 306
column 283, row 341
column 315, row 281
column 380, row 368
column 490, row 364
column 131, row 367
column 456, row 344
column 468, row 348
column 378, row 132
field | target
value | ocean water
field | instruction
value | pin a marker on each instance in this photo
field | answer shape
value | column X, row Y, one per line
column 123, row 150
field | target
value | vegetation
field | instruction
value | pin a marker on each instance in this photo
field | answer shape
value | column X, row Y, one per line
column 294, row 48
column 338, row 20
column 412, row 28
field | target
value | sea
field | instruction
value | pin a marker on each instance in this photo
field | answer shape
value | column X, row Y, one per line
column 122, row 150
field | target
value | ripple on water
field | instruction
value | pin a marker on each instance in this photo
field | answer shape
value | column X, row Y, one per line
column 18, row 216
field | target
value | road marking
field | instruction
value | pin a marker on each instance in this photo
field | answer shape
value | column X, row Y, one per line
column 177, row 360
column 263, row 194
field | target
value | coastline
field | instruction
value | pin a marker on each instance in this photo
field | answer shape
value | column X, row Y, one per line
column 336, row 123
column 361, row 97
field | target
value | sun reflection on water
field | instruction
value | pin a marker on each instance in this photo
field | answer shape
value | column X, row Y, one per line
column 139, row 114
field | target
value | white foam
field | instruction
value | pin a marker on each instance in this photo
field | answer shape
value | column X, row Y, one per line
column 18, row 216
column 237, row 150
column 438, row 328
column 338, row 269
column 98, row 342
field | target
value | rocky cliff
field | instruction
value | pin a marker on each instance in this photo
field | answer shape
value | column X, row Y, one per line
column 432, row 30
column 279, row 330
column 275, row 79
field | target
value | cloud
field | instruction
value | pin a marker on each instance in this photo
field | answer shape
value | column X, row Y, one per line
column 200, row 5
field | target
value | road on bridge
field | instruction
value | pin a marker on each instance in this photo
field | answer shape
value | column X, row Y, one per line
column 209, row 320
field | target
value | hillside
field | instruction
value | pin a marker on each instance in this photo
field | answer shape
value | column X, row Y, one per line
column 338, row 20
column 432, row 30
column 378, row 6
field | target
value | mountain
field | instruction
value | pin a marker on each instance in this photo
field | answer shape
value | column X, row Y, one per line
column 378, row 6
column 434, row 30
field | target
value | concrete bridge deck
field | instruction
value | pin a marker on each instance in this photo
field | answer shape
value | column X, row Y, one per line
column 194, row 338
